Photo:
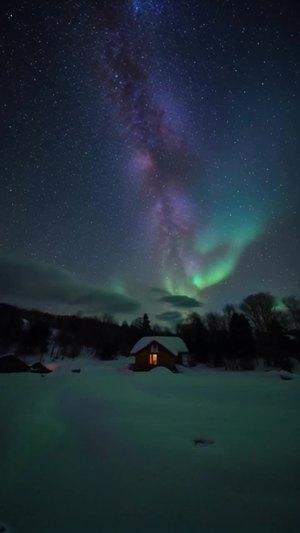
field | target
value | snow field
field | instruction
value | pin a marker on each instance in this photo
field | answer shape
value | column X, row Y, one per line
column 111, row 450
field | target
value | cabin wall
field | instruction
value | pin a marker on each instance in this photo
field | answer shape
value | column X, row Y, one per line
column 164, row 358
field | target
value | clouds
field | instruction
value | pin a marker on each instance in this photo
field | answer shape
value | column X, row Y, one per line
column 29, row 281
column 181, row 301
column 177, row 300
column 170, row 317
column 159, row 290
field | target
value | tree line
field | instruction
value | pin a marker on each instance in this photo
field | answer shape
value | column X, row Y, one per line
column 258, row 328
column 236, row 337
column 27, row 332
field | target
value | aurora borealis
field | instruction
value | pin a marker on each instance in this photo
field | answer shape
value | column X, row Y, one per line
column 149, row 158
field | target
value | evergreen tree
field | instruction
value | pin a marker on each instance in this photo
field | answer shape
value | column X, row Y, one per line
column 146, row 326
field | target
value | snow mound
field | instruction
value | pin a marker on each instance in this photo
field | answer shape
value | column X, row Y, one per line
column 160, row 370
column 285, row 375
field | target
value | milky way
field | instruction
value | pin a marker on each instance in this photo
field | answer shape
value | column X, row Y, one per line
column 161, row 160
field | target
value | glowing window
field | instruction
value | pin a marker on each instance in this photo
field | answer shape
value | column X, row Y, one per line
column 153, row 359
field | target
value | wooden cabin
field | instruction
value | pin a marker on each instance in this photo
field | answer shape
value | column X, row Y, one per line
column 150, row 352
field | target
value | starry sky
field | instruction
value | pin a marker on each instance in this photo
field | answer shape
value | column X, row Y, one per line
column 149, row 157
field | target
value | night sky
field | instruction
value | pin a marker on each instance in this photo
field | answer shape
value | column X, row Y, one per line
column 149, row 157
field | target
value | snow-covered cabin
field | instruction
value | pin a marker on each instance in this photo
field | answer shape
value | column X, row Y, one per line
column 158, row 351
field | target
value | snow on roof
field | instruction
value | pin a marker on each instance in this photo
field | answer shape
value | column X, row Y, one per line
column 175, row 345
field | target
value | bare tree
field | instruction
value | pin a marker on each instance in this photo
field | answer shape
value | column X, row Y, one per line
column 259, row 309
column 214, row 321
column 292, row 303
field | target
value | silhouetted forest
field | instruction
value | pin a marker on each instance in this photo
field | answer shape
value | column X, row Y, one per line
column 259, row 328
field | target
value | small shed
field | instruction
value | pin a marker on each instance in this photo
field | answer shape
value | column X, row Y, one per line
column 39, row 368
column 150, row 352
column 11, row 363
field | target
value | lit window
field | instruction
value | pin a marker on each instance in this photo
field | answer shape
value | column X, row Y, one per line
column 153, row 359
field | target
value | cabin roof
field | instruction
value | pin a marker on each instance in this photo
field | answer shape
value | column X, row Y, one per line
column 175, row 345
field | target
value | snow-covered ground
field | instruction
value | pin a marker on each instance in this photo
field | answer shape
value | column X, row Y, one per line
column 109, row 450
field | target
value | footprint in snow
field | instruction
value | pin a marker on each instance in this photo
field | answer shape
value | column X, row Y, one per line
column 4, row 528
column 202, row 441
